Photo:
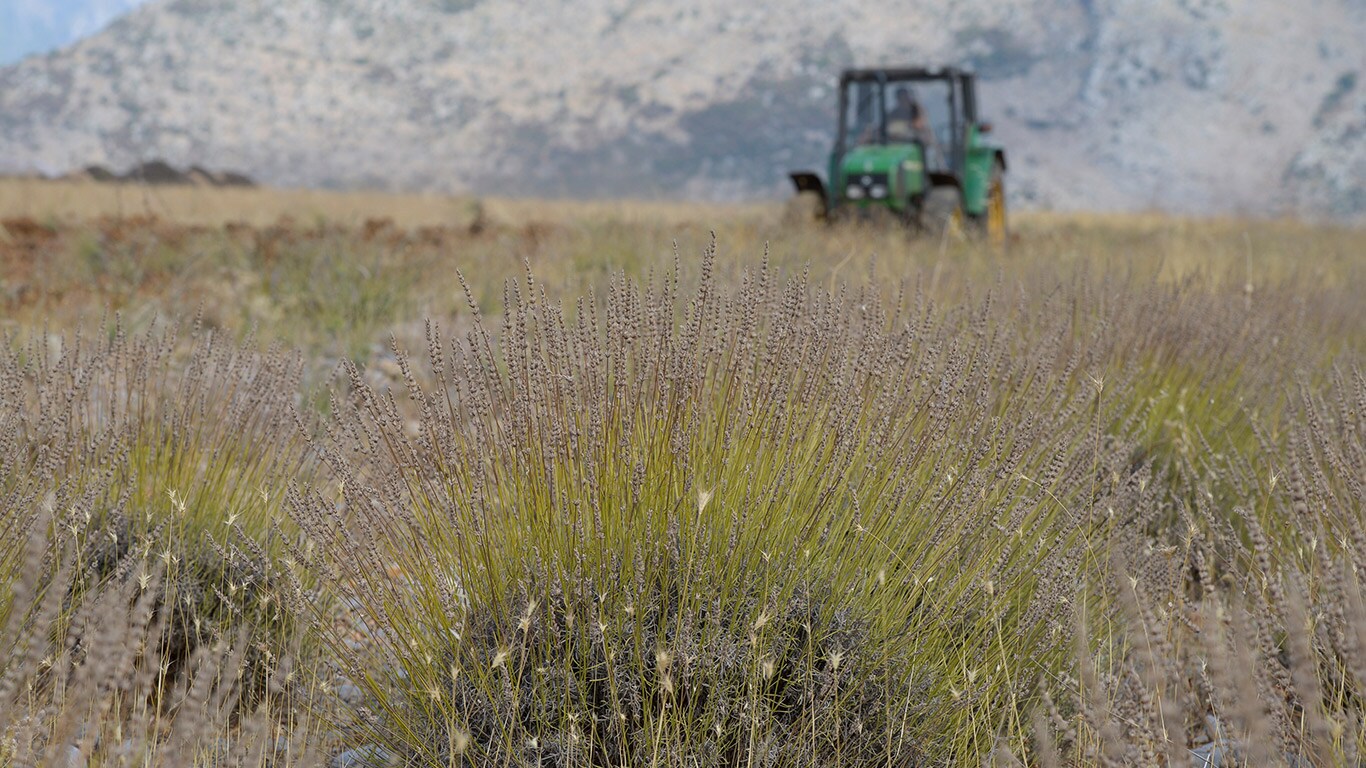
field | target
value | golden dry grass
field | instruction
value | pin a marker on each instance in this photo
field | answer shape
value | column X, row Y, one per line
column 76, row 201
column 337, row 273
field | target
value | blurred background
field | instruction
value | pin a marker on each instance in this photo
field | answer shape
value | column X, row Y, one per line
column 1188, row 106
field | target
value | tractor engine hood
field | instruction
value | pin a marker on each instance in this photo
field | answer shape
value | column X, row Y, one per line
column 880, row 173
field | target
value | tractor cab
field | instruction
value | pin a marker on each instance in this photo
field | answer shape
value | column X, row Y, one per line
column 881, row 112
column 909, row 142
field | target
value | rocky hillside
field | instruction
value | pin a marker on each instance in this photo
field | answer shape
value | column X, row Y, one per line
column 1194, row 105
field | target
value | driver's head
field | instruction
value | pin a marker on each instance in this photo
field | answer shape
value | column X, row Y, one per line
column 904, row 96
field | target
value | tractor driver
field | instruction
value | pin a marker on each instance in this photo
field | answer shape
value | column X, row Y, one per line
column 906, row 121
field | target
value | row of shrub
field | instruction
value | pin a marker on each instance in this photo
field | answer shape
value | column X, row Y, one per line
column 1103, row 521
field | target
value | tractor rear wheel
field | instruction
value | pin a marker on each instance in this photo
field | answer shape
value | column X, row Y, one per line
column 992, row 222
column 941, row 212
column 998, row 228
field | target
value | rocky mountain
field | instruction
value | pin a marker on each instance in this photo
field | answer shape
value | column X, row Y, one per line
column 1244, row 106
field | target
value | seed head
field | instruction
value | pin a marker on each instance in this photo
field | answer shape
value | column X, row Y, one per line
column 761, row 621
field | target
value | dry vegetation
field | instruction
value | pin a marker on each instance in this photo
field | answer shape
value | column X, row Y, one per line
column 645, row 495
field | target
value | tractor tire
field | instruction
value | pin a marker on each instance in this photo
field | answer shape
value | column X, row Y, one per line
column 992, row 223
column 804, row 208
column 941, row 212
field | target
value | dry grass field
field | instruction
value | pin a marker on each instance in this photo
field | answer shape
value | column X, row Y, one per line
column 75, row 201
column 298, row 478
column 338, row 273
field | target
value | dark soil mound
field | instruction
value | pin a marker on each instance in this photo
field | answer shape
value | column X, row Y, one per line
column 156, row 172
column 234, row 179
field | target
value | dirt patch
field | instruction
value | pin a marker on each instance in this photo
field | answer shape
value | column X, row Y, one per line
column 25, row 231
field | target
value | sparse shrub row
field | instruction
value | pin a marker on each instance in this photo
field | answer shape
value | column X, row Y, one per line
column 759, row 524
column 1238, row 636
column 958, row 482
column 143, row 589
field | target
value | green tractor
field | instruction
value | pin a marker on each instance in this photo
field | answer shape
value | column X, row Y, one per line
column 910, row 146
